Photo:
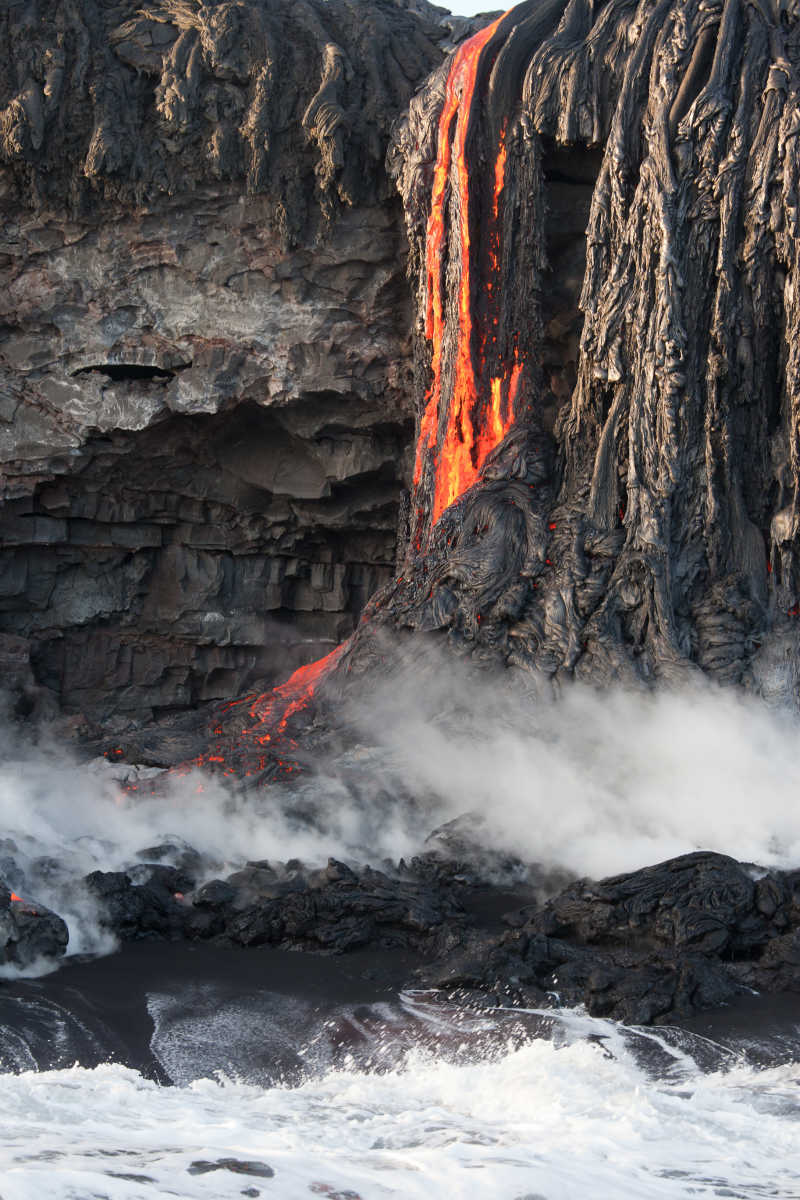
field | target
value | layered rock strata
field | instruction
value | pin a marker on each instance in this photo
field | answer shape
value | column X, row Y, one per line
column 205, row 402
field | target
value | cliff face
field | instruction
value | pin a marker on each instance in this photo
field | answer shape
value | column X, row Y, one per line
column 652, row 530
column 205, row 339
column 213, row 367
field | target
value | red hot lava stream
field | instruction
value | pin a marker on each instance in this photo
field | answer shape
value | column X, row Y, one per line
column 472, row 428
column 466, row 414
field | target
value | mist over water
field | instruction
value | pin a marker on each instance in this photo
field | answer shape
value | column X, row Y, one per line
column 587, row 782
column 598, row 782
column 592, row 783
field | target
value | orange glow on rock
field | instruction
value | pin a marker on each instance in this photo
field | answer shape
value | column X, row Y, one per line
column 16, row 899
column 270, row 713
column 475, row 380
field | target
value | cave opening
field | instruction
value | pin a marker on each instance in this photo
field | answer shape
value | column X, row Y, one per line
column 202, row 556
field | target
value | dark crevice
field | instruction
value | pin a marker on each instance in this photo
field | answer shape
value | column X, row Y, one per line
column 131, row 371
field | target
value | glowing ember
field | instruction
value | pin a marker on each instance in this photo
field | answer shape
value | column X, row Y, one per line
column 16, row 899
column 466, row 439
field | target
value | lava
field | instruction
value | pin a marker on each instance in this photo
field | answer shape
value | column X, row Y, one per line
column 295, row 694
column 468, row 436
column 469, row 408
column 265, row 741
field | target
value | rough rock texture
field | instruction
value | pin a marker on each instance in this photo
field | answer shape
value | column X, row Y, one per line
column 330, row 910
column 29, row 932
column 653, row 945
column 198, row 221
column 198, row 227
column 664, row 942
column 662, row 539
column 204, row 339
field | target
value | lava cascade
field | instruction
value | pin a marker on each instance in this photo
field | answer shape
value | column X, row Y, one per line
column 650, row 527
column 467, row 410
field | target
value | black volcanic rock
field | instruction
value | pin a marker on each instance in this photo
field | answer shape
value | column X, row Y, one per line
column 667, row 941
column 659, row 535
column 149, row 908
column 654, row 945
column 332, row 910
column 29, row 932
column 205, row 341
column 206, row 361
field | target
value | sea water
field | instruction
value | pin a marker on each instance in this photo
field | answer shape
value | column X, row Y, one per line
column 590, row 1111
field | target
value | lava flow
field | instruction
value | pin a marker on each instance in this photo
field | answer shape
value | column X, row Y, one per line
column 475, row 415
column 292, row 696
column 469, row 408
column 263, row 743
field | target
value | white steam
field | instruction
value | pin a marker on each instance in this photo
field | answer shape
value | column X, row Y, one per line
column 593, row 783
column 600, row 782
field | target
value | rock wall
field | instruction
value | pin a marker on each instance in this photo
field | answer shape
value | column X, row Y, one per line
column 205, row 340
column 652, row 531
column 205, row 446
column 207, row 395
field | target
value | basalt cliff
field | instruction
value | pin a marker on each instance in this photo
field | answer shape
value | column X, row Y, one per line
column 307, row 303
column 206, row 396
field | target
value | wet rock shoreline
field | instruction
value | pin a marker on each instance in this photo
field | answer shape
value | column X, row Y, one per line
column 667, row 942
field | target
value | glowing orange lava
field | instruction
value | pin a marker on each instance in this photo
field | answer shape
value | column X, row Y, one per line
column 270, row 713
column 463, row 447
column 295, row 694
column 462, row 422
column 16, row 899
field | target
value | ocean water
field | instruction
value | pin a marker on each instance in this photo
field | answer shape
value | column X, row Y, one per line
column 411, row 1098
column 581, row 1108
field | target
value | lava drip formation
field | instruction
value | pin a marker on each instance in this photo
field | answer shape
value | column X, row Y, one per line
column 466, row 414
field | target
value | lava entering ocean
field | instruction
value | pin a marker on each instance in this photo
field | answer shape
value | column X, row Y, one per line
column 468, row 410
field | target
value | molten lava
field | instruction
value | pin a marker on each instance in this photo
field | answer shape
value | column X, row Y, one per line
column 294, row 695
column 466, row 419
column 469, row 408
column 270, row 713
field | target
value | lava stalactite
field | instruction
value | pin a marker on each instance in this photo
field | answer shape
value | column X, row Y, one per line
column 476, row 413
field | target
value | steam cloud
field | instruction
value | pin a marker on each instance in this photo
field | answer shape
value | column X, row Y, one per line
column 591, row 783
column 599, row 782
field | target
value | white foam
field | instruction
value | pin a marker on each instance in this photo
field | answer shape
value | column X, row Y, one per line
column 542, row 1121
